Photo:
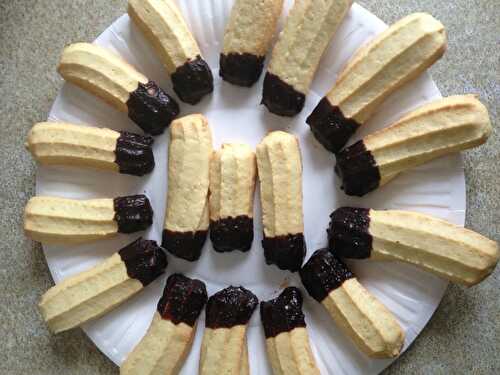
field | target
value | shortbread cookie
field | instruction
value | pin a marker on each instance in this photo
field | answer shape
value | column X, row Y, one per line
column 395, row 57
column 439, row 128
column 247, row 39
column 450, row 251
column 161, row 22
column 232, row 183
column 93, row 293
column 54, row 143
column 223, row 349
column 369, row 324
column 107, row 76
column 168, row 340
column 69, row 221
column 186, row 220
column 287, row 340
column 309, row 28
column 280, row 174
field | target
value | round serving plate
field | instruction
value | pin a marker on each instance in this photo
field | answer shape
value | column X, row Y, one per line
column 235, row 114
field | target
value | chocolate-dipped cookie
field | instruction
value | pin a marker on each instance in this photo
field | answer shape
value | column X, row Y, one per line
column 106, row 75
column 309, row 28
column 280, row 174
column 395, row 57
column 61, row 220
column 187, row 220
column 163, row 25
column 168, row 339
column 92, row 293
column 232, row 184
column 366, row 321
column 439, row 128
column 247, row 38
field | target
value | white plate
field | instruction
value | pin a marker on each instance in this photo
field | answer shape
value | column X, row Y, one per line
column 235, row 114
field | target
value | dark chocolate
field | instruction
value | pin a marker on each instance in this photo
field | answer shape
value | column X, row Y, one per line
column 330, row 127
column 185, row 245
column 151, row 108
column 144, row 259
column 134, row 154
column 280, row 97
column 358, row 170
column 287, row 252
column 193, row 80
column 348, row 234
column 282, row 314
column 182, row 300
column 133, row 213
column 230, row 307
column 242, row 69
column 323, row 273
column 232, row 233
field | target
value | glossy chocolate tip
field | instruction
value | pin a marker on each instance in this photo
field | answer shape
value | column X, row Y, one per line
column 144, row 259
column 230, row 307
column 184, row 245
column 182, row 300
column 348, row 234
column 151, row 108
column 330, row 127
column 193, row 80
column 242, row 69
column 358, row 170
column 282, row 314
column 134, row 154
column 281, row 98
column 286, row 252
column 232, row 233
column 323, row 273
column 133, row 213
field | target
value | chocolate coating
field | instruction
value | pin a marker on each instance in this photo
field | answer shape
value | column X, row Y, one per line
column 358, row 170
column 323, row 273
column 330, row 127
column 230, row 307
column 287, row 252
column 185, row 245
column 151, row 108
column 182, row 300
column 348, row 234
column 193, row 80
column 282, row 314
column 144, row 259
column 133, row 213
column 134, row 154
column 242, row 69
column 280, row 97
column 232, row 233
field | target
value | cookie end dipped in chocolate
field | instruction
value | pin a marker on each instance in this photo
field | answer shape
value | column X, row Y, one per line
column 242, row 69
column 348, row 234
column 232, row 233
column 144, row 259
column 134, row 154
column 182, row 300
column 282, row 314
column 281, row 98
column 184, row 245
column 151, row 108
column 230, row 307
column 287, row 252
column 330, row 127
column 323, row 273
column 133, row 213
column 358, row 170
column 193, row 80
